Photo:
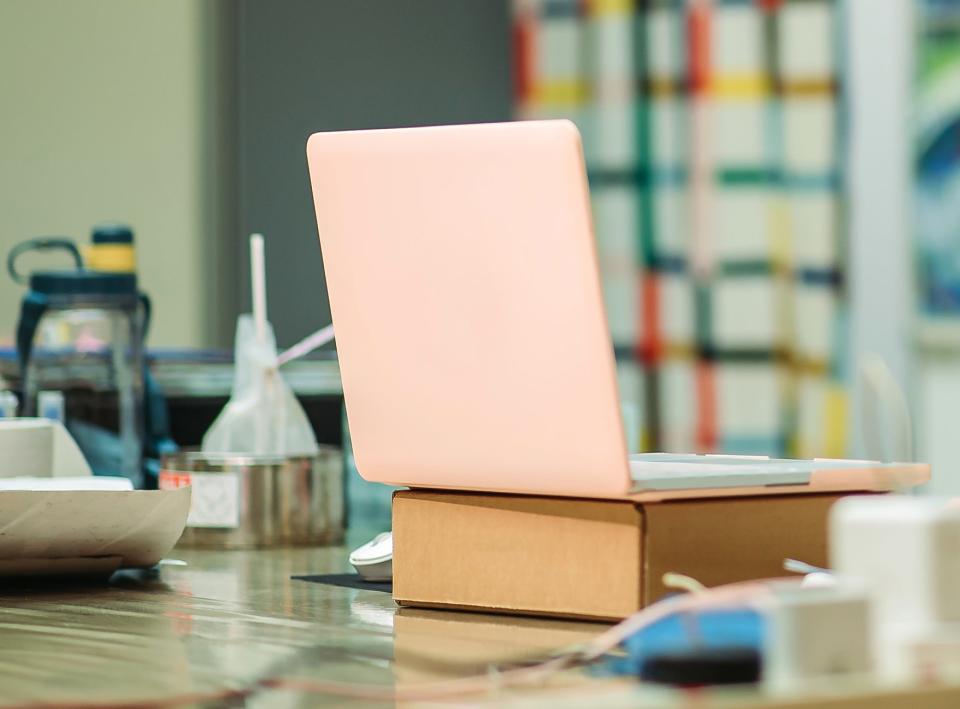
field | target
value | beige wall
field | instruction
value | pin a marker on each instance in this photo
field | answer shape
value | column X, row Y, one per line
column 105, row 112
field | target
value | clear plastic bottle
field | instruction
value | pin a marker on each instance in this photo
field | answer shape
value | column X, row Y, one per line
column 81, row 333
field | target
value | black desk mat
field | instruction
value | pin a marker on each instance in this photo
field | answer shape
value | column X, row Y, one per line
column 347, row 581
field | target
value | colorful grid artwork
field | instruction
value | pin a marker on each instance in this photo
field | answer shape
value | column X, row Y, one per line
column 937, row 160
column 711, row 134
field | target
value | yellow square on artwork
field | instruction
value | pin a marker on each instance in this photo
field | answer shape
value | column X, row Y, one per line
column 610, row 7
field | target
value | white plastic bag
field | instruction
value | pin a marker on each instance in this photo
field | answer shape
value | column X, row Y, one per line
column 263, row 416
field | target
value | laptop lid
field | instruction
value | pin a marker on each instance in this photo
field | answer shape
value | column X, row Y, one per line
column 464, row 288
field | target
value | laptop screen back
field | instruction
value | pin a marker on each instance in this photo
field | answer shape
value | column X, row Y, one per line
column 465, row 294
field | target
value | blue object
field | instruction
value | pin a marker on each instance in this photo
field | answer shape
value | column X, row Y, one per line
column 717, row 629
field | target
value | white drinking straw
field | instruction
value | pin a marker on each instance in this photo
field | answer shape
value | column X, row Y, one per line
column 307, row 345
column 259, row 286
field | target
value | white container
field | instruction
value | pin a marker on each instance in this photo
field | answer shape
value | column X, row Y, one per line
column 906, row 552
column 816, row 635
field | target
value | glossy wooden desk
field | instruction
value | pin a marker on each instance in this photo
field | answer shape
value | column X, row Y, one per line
column 230, row 620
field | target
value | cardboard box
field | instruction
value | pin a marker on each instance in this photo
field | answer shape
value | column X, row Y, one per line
column 595, row 559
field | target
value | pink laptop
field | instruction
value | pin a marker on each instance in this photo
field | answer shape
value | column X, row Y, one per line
column 473, row 344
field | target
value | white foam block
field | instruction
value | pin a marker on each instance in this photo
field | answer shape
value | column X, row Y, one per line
column 906, row 551
column 816, row 634
column 73, row 484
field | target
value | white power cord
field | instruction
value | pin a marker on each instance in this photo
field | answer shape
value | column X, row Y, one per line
column 883, row 394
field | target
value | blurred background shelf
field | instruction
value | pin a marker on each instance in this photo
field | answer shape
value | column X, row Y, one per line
column 197, row 384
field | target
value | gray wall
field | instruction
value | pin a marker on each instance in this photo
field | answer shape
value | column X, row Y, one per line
column 307, row 65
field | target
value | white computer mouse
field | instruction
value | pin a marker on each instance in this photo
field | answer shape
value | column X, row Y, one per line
column 819, row 579
column 374, row 560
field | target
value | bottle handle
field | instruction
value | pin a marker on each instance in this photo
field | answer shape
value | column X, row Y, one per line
column 44, row 243
column 147, row 313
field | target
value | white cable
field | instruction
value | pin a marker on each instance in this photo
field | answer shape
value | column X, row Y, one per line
column 683, row 582
column 882, row 393
column 802, row 567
